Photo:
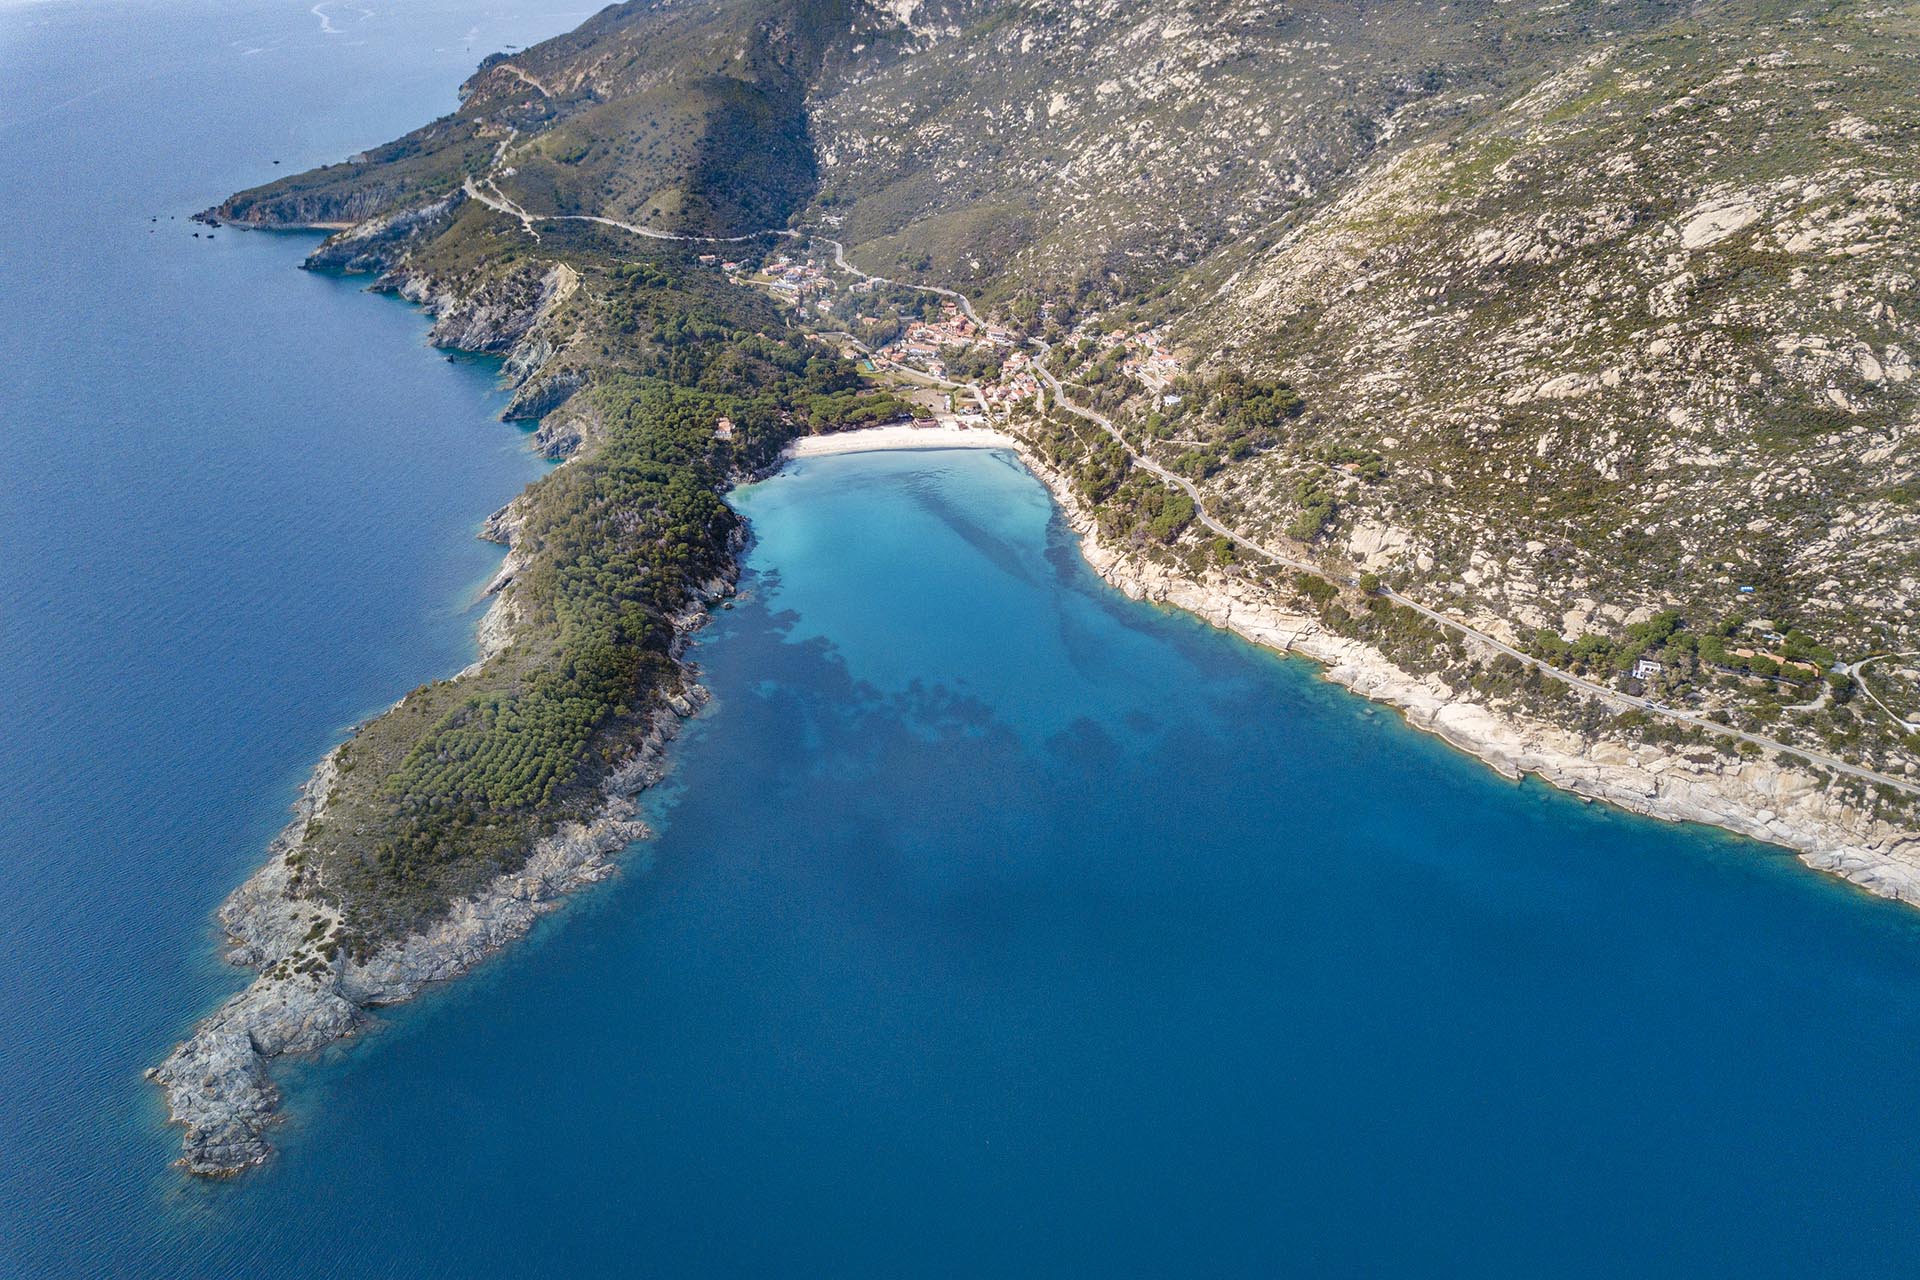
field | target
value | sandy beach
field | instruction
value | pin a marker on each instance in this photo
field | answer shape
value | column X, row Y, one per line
column 868, row 439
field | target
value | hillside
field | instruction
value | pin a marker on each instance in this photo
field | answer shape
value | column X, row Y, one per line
column 1603, row 313
column 1638, row 341
column 691, row 117
column 1101, row 150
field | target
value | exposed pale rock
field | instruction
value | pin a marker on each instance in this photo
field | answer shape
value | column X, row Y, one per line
column 1712, row 225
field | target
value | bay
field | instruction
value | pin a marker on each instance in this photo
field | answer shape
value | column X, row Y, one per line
column 996, row 924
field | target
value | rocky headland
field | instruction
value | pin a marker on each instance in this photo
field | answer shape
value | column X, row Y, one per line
column 309, row 991
column 314, row 922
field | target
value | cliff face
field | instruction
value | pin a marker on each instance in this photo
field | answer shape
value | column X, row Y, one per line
column 369, row 246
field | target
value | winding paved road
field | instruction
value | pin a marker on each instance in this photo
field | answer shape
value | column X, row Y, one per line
column 840, row 261
column 1858, row 671
column 500, row 204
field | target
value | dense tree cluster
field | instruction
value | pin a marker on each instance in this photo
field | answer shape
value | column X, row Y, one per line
column 1725, row 647
column 1318, row 500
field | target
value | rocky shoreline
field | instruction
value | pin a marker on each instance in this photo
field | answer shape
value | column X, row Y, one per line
column 217, row 1082
column 1765, row 799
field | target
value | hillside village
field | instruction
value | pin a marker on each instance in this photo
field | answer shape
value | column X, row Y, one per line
column 934, row 340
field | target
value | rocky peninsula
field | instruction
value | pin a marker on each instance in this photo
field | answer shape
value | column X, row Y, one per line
column 310, row 992
column 443, row 829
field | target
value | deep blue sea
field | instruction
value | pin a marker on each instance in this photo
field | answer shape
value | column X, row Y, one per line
column 997, row 925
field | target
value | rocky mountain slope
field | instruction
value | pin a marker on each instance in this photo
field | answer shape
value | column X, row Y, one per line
column 1638, row 337
column 685, row 116
column 1109, row 146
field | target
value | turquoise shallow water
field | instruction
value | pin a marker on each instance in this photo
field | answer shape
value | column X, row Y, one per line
column 996, row 924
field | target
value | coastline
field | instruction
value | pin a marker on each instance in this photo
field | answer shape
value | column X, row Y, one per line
column 307, row 995
column 308, row 991
column 217, row 1081
column 1763, row 799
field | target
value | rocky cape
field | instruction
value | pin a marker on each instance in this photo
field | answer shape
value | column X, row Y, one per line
column 309, row 991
